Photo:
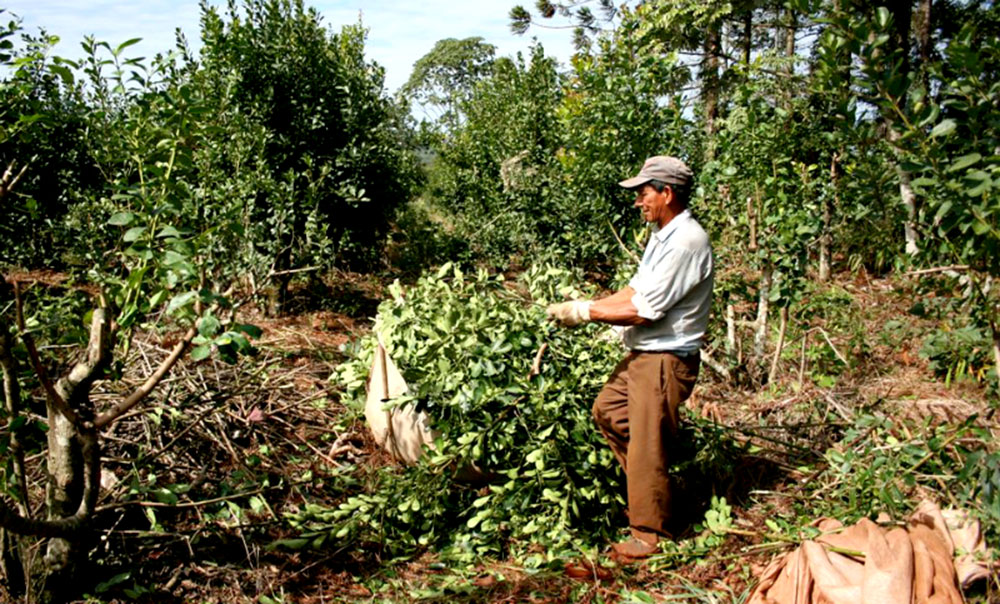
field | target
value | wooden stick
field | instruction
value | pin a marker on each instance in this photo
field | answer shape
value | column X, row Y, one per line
column 730, row 328
column 939, row 269
column 536, row 366
column 707, row 359
column 186, row 504
column 143, row 391
column 830, row 342
column 631, row 254
column 802, row 360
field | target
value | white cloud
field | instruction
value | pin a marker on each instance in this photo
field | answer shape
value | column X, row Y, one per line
column 400, row 31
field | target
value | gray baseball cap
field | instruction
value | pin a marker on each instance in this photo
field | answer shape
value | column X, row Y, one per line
column 662, row 168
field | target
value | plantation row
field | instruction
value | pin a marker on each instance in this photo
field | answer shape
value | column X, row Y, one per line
column 182, row 195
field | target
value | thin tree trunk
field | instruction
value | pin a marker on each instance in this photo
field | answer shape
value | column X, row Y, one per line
column 11, row 545
column 779, row 32
column 802, row 358
column 11, row 550
column 74, row 464
column 995, row 329
column 10, row 564
column 826, row 236
column 763, row 302
column 752, row 221
column 793, row 24
column 710, row 86
column 923, row 27
column 747, row 37
column 730, row 329
column 781, row 344
column 908, row 197
column 902, row 13
column 12, row 404
column 922, row 21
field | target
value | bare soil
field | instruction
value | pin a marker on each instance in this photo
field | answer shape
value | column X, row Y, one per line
column 197, row 481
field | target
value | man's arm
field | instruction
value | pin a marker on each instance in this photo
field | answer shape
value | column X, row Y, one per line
column 617, row 309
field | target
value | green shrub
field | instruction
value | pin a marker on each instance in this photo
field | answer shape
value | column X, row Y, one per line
column 465, row 345
column 962, row 353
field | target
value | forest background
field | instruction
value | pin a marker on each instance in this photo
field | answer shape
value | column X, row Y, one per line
column 194, row 247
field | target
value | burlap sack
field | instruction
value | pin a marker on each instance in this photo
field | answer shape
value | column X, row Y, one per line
column 925, row 562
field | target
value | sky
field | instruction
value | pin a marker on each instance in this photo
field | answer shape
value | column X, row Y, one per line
column 400, row 31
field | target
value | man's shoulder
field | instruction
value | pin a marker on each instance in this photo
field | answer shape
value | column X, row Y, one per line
column 692, row 236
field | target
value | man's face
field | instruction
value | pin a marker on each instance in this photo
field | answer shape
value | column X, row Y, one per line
column 652, row 204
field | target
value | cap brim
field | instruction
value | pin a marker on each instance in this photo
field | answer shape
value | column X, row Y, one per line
column 634, row 182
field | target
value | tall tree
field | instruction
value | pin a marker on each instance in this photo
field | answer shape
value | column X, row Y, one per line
column 443, row 79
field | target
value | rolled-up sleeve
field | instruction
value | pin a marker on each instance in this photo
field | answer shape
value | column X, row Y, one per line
column 661, row 285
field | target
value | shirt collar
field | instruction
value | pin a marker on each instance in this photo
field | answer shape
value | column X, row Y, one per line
column 661, row 235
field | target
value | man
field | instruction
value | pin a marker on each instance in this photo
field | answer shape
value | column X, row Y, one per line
column 665, row 308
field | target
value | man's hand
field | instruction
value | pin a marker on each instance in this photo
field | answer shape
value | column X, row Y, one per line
column 570, row 314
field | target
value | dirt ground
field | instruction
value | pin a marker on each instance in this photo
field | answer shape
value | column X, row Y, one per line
column 196, row 482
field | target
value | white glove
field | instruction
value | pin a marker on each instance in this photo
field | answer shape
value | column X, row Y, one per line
column 570, row 314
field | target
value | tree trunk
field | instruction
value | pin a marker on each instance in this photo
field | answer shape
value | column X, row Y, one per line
column 826, row 236
column 902, row 13
column 781, row 344
column 11, row 545
column 995, row 329
column 747, row 37
column 730, row 330
column 74, row 465
column 923, row 27
column 907, row 195
column 922, row 21
column 793, row 24
column 710, row 86
column 11, row 550
column 65, row 464
column 763, row 302
column 11, row 564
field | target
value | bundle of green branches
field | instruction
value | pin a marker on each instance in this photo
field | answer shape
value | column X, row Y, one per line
column 509, row 393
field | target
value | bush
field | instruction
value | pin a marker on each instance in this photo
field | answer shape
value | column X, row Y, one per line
column 43, row 130
column 335, row 160
column 958, row 353
column 465, row 345
column 494, row 174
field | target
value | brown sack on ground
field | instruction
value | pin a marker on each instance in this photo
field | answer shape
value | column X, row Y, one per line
column 925, row 562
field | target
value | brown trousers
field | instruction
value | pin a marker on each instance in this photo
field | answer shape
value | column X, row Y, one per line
column 638, row 413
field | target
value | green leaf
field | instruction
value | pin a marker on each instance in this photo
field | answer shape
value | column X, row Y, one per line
column 180, row 301
column 133, row 234
column 158, row 298
column 290, row 543
column 945, row 128
column 882, row 17
column 126, row 44
column 115, row 580
column 251, row 330
column 201, row 352
column 208, row 325
column 176, row 261
column 964, row 162
column 122, row 219
column 979, row 189
column 165, row 496
column 942, row 211
column 64, row 74
column 168, row 231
